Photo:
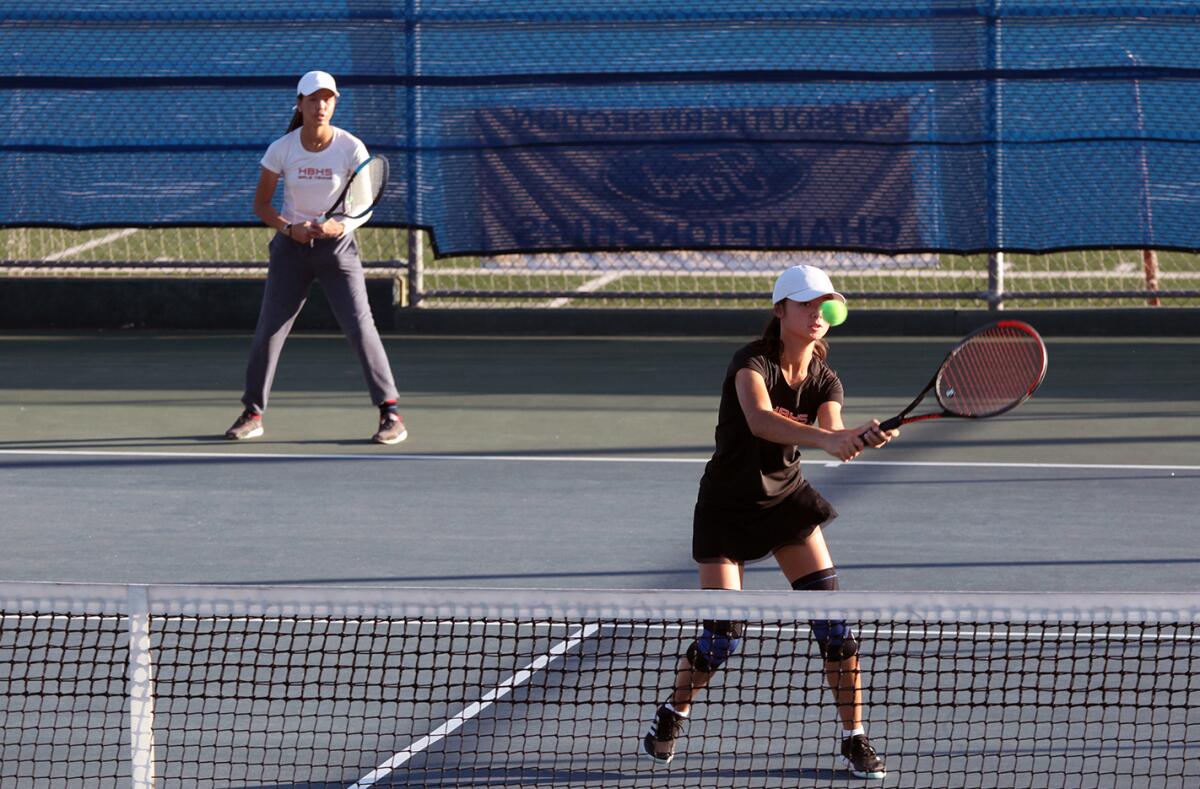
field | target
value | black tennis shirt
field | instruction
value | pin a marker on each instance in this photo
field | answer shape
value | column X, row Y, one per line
column 747, row 472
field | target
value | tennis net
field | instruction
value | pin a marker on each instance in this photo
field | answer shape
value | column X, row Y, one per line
column 143, row 686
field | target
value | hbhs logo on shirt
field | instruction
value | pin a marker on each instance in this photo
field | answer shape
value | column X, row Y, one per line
column 315, row 173
column 801, row 418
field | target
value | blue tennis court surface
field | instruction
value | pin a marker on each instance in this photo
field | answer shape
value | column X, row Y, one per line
column 561, row 462
column 573, row 464
column 573, row 522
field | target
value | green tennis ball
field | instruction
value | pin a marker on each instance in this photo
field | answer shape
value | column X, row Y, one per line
column 834, row 312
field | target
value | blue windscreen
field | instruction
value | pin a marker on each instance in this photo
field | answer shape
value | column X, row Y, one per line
column 515, row 125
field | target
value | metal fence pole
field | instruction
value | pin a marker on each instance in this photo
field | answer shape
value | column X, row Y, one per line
column 416, row 245
column 1149, row 256
column 995, row 291
column 416, row 267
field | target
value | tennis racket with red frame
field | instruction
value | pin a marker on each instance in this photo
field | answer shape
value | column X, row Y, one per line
column 992, row 370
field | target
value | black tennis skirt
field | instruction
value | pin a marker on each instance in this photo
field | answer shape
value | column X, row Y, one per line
column 742, row 534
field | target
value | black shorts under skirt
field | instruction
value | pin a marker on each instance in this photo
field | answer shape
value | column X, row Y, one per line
column 745, row 535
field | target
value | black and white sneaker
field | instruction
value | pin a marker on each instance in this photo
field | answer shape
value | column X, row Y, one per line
column 861, row 759
column 659, row 742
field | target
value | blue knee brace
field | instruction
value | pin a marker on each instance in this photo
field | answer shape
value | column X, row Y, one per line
column 718, row 640
column 834, row 639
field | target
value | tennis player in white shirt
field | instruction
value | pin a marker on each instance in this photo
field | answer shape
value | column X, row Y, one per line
column 314, row 160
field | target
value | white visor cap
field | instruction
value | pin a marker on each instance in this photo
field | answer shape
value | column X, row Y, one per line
column 804, row 283
column 313, row 81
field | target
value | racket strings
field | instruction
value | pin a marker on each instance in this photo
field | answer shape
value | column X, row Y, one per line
column 991, row 372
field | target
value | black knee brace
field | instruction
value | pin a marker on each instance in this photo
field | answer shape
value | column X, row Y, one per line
column 834, row 638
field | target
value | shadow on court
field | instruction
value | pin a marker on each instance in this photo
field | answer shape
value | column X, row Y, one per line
column 472, row 579
column 566, row 777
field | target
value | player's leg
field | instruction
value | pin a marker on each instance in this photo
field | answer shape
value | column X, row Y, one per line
column 346, row 287
column 717, row 642
column 289, row 277
column 695, row 672
column 808, row 566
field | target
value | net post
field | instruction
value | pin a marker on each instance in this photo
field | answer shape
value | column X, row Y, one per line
column 141, row 690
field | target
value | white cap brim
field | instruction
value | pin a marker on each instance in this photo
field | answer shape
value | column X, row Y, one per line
column 810, row 294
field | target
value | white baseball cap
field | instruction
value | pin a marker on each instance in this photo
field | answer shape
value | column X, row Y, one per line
column 313, row 81
column 804, row 283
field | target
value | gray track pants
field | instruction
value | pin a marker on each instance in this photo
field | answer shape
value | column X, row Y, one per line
column 293, row 267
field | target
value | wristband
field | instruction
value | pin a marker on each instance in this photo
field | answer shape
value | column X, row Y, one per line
column 287, row 230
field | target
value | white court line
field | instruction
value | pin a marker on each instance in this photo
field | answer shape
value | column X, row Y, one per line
column 573, row 459
column 96, row 242
column 335, row 456
column 489, row 698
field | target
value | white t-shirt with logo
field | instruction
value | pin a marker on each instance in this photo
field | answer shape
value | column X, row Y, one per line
column 312, row 181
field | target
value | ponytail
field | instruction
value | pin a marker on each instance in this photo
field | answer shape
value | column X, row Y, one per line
column 771, row 342
column 297, row 117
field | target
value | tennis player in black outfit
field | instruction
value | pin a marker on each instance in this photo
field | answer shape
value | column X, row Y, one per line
column 779, row 395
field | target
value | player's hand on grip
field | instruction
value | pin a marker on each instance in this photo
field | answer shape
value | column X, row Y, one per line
column 330, row 228
column 873, row 436
column 304, row 232
column 844, row 444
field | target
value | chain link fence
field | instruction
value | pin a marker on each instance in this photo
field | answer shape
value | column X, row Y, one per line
column 692, row 279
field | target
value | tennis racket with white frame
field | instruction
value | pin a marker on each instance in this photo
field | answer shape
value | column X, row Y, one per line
column 361, row 193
